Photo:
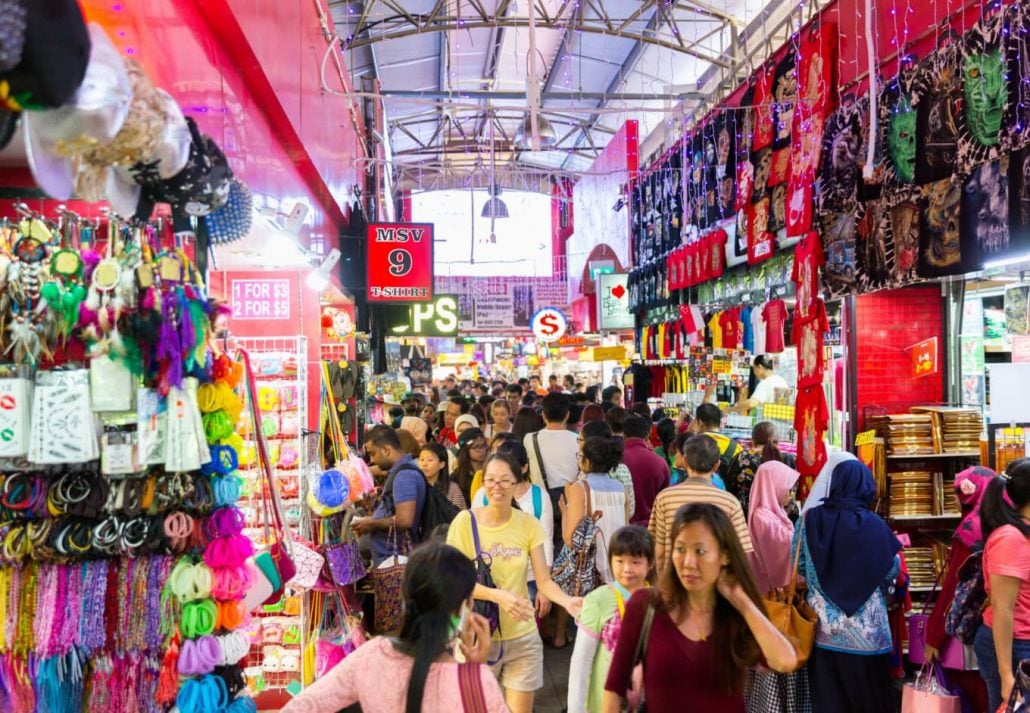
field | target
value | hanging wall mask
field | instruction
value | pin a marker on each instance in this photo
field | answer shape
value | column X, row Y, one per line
column 983, row 86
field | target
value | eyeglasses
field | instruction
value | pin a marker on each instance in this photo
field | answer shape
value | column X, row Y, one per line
column 498, row 483
column 478, row 447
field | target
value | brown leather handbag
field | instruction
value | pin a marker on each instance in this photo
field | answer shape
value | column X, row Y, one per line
column 791, row 615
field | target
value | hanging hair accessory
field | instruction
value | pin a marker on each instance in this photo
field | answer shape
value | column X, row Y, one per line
column 232, row 613
column 231, row 583
column 208, row 694
column 235, row 646
column 190, row 582
column 178, row 526
column 199, row 656
column 225, row 522
column 198, row 618
column 230, row 551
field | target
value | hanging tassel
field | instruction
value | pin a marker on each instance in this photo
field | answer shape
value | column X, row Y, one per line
column 168, row 680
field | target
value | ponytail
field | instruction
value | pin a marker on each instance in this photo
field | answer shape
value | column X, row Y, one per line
column 1005, row 497
column 427, row 638
column 771, row 452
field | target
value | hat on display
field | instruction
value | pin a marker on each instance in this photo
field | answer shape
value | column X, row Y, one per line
column 202, row 186
column 50, row 41
column 55, row 138
column 232, row 221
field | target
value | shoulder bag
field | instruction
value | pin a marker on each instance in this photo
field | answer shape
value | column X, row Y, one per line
column 473, row 698
column 1020, row 690
column 791, row 614
column 387, row 580
column 344, row 555
column 636, row 695
column 539, row 459
column 490, row 610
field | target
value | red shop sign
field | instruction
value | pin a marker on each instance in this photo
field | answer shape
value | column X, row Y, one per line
column 924, row 358
column 400, row 262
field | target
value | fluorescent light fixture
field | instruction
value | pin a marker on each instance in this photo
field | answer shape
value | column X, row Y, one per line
column 318, row 279
column 1025, row 257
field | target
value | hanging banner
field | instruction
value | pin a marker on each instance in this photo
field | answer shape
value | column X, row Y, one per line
column 924, row 358
column 400, row 262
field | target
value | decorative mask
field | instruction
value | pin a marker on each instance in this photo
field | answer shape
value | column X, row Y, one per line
column 983, row 86
column 901, row 139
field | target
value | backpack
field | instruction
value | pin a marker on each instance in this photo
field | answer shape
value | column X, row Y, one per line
column 727, row 457
column 575, row 568
column 437, row 511
column 966, row 613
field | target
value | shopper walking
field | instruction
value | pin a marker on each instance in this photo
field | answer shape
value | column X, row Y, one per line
column 432, row 461
column 849, row 557
column 511, row 540
column 1004, row 639
column 970, row 487
column 650, row 473
column 527, row 421
column 665, row 429
column 630, row 557
column 472, row 448
column 764, row 448
column 424, row 676
column 500, row 418
column 600, row 429
column 821, row 486
column 708, row 624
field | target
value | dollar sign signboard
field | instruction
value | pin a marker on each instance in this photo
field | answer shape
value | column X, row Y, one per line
column 549, row 325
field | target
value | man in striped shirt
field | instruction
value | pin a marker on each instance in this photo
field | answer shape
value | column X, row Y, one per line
column 702, row 459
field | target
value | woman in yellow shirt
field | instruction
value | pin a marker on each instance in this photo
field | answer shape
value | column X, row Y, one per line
column 511, row 540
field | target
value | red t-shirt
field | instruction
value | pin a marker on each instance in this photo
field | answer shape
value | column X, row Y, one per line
column 811, row 418
column 715, row 252
column 731, row 328
column 800, row 200
column 808, row 258
column 775, row 315
column 1007, row 552
column 698, row 257
column 763, row 119
column 760, row 242
column 808, row 338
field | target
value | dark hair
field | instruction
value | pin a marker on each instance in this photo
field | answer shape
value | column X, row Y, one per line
column 486, row 401
column 592, row 412
column 455, row 393
column 383, row 435
column 631, row 540
column 609, row 391
column 477, row 411
column 569, row 379
column 591, row 392
column 462, row 403
column 636, row 427
column 518, row 452
column 443, row 481
column 555, row 407
column 502, row 438
column 552, row 377
column 701, row 453
column 396, row 411
column 529, row 398
column 409, row 444
column 642, row 410
column 710, row 415
column 513, row 389
column 464, row 470
column 526, row 421
column 764, row 435
column 995, row 512
column 679, row 443
column 497, row 392
column 508, row 460
column 734, row 647
column 616, row 417
column 595, row 429
column 666, row 429
column 523, row 382
column 763, row 360
column 437, row 579
column 575, row 412
column 603, row 454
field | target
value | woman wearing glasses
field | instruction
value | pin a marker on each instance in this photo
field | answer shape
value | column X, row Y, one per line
column 472, row 448
column 511, row 541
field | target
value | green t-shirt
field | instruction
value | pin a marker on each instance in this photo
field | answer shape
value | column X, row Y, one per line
column 600, row 619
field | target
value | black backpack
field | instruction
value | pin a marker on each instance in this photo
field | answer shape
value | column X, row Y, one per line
column 727, row 457
column 436, row 512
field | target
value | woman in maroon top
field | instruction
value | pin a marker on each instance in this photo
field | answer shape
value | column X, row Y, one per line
column 709, row 623
column 970, row 486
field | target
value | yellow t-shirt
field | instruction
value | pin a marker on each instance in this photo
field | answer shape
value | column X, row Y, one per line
column 507, row 550
column 477, row 482
column 715, row 327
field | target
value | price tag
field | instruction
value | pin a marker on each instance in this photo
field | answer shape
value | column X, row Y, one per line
column 865, row 438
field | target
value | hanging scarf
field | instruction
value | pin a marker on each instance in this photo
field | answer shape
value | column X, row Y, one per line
column 970, row 486
column 851, row 547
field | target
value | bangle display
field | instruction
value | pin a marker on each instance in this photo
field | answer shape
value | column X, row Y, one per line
column 198, row 618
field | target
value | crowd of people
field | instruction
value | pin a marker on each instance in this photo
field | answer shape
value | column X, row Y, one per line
column 651, row 544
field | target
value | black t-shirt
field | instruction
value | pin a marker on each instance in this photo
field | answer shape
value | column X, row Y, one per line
column 940, row 249
column 985, row 211
column 937, row 98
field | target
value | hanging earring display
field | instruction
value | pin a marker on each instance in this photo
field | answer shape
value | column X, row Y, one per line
column 66, row 292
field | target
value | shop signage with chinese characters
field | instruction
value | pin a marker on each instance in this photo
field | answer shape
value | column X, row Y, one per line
column 924, row 358
column 400, row 262
column 613, row 302
column 260, row 299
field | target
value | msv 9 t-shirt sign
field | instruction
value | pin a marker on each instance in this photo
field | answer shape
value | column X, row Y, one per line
column 400, row 262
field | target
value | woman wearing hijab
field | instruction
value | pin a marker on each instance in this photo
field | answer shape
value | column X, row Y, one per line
column 821, row 486
column 771, row 534
column 970, row 486
column 416, row 427
column 849, row 556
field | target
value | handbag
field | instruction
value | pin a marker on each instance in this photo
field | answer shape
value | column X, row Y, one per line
column 1019, row 699
column 791, row 614
column 309, row 563
column 636, row 695
column 473, row 698
column 344, row 556
column 952, row 655
column 387, row 580
column 490, row 610
column 928, row 694
column 276, row 535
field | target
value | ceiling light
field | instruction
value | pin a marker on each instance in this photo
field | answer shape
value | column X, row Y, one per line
column 318, row 279
column 544, row 130
column 495, row 208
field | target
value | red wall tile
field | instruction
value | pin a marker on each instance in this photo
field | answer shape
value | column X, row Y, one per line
column 888, row 322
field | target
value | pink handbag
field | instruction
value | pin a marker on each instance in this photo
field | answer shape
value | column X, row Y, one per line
column 953, row 655
column 928, row 694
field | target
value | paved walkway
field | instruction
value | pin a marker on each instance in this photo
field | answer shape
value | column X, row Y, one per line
column 554, row 695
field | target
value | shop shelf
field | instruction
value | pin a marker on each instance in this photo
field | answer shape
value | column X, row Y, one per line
column 932, row 456
column 913, row 518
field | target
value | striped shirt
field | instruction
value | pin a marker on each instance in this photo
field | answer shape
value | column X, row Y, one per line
column 693, row 490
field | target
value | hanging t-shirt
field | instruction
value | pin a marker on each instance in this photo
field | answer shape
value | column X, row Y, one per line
column 785, row 97
column 808, row 337
column 1016, row 126
column 937, row 99
column 760, row 242
column 715, row 328
column 762, row 127
column 940, row 251
column 808, row 258
column 758, row 329
column 985, row 93
column 1019, row 201
column 731, row 328
column 985, row 211
column 775, row 315
column 708, row 335
column 748, row 338
column 811, row 419
column 714, row 244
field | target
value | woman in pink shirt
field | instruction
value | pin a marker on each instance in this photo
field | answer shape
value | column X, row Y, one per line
column 1004, row 639
column 416, row 672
